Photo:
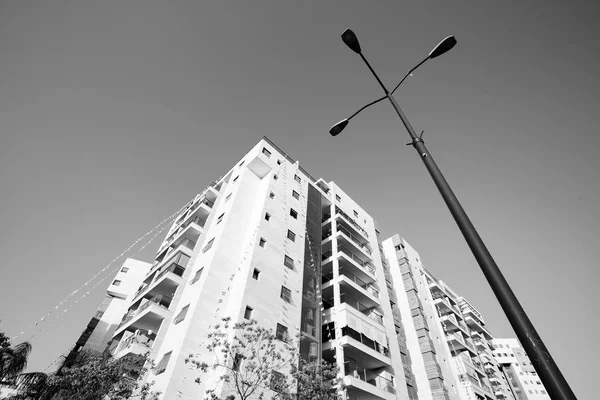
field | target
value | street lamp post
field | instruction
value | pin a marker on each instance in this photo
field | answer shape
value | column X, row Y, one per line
column 548, row 371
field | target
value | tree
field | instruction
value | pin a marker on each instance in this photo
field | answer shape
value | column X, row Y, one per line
column 13, row 360
column 317, row 381
column 93, row 376
column 247, row 360
column 251, row 362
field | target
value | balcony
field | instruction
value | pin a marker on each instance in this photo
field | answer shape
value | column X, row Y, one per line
column 367, row 384
column 477, row 326
column 360, row 339
column 370, row 312
column 166, row 280
column 444, row 305
column 452, row 324
column 346, row 218
column 140, row 342
column 148, row 316
column 346, row 238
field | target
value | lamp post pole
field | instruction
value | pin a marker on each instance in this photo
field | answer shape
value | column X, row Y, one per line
column 548, row 371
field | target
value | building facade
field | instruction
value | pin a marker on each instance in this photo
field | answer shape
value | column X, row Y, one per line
column 269, row 242
column 517, row 371
column 448, row 343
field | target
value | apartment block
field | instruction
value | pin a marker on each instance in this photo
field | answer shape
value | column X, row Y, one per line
column 269, row 242
column 517, row 371
column 446, row 338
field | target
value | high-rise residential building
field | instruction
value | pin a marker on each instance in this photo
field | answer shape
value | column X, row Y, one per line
column 269, row 242
column 446, row 338
column 517, row 370
column 99, row 331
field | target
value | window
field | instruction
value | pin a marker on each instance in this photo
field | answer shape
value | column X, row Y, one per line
column 295, row 195
column 236, row 178
column 355, row 213
column 124, row 270
column 291, row 235
column 297, row 178
column 288, row 262
column 278, row 162
column 197, row 276
column 281, row 333
column 237, row 362
column 162, row 365
column 267, row 216
column 275, row 176
column 338, row 198
column 116, row 282
column 277, row 383
column 181, row 316
column 227, row 198
column 99, row 314
column 208, row 245
column 255, row 274
column 242, row 163
column 262, row 242
column 293, row 213
column 543, row 391
column 248, row 313
column 266, row 152
column 220, row 218
column 272, row 195
column 286, row 294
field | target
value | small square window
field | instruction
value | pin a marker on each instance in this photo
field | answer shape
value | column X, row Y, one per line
column 116, row 282
column 124, row 270
column 278, row 162
column 293, row 213
column 297, row 178
column 286, row 294
column 281, row 333
column 248, row 313
column 275, row 176
column 288, row 262
column 237, row 362
column 277, row 382
column 220, row 218
column 262, row 242
column 242, row 163
column 295, row 195
column 266, row 152
column 291, row 235
column 355, row 213
column 181, row 316
column 227, row 198
column 208, row 245
column 338, row 198
column 236, row 178
column 267, row 216
column 272, row 195
column 162, row 365
column 255, row 274
column 197, row 276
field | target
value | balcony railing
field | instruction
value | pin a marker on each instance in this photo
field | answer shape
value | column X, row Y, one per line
column 357, row 305
column 357, row 371
column 355, row 258
column 161, row 300
column 355, row 239
column 362, row 338
column 351, row 221
column 366, row 286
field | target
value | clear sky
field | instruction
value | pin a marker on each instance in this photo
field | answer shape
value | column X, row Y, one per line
column 114, row 114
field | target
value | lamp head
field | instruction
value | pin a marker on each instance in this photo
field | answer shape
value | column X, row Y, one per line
column 351, row 40
column 337, row 128
column 442, row 47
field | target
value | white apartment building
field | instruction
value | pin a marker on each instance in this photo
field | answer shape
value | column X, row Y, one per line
column 446, row 338
column 269, row 242
column 517, row 370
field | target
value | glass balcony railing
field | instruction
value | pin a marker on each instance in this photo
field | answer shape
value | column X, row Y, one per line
column 359, row 372
column 355, row 239
column 365, row 286
column 365, row 340
column 161, row 300
column 357, row 259
column 351, row 221
column 357, row 305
